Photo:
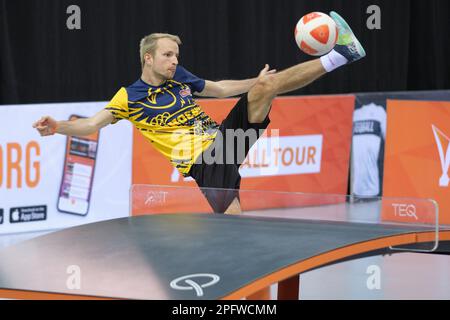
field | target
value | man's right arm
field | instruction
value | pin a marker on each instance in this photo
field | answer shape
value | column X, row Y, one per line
column 47, row 126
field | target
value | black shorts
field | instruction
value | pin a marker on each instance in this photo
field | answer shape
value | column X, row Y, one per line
column 229, row 150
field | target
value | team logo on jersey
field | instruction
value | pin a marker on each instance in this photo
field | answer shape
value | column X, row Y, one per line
column 185, row 92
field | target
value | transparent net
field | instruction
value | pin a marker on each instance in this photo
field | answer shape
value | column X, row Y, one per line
column 416, row 217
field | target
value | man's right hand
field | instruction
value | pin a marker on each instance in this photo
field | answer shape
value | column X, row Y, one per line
column 46, row 126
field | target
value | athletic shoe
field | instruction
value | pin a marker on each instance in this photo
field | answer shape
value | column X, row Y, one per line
column 347, row 45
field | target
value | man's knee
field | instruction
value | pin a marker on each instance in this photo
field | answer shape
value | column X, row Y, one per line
column 264, row 90
column 260, row 99
column 234, row 207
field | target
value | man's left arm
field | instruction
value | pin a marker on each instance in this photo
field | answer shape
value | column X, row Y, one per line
column 228, row 88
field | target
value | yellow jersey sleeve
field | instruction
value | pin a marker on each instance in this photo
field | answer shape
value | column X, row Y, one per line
column 118, row 106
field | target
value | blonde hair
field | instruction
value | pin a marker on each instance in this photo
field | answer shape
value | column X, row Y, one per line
column 148, row 43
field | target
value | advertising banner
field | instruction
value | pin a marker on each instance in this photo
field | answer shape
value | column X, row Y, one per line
column 306, row 148
column 55, row 182
column 417, row 158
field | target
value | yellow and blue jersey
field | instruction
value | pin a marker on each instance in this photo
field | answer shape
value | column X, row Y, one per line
column 168, row 117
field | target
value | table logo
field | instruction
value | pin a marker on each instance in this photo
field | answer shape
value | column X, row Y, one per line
column 187, row 282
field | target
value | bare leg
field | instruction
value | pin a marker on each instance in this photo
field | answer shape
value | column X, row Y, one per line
column 269, row 86
column 347, row 50
column 234, row 207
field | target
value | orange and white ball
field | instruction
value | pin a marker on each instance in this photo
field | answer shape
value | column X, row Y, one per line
column 316, row 33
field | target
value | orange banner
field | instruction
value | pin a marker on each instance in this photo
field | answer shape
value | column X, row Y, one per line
column 417, row 156
column 311, row 154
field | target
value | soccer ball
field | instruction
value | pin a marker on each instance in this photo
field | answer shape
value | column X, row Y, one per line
column 316, row 33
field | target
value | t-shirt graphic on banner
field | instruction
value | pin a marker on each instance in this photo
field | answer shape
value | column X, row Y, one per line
column 369, row 134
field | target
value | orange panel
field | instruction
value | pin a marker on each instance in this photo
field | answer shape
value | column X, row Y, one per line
column 414, row 166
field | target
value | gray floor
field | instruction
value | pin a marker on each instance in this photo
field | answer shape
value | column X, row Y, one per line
column 401, row 276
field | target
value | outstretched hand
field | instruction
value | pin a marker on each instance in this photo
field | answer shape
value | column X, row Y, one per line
column 266, row 71
column 46, row 126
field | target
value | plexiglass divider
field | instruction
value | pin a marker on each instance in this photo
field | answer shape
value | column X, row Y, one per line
column 416, row 216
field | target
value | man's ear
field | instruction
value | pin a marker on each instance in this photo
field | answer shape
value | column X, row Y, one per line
column 148, row 58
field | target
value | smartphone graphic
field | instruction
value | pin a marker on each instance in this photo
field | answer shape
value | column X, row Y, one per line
column 78, row 173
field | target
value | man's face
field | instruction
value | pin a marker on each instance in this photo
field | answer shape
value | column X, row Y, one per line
column 165, row 60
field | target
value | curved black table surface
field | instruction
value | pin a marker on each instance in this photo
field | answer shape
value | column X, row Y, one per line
column 138, row 257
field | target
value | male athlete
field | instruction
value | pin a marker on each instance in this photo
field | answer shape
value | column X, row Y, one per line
column 161, row 106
